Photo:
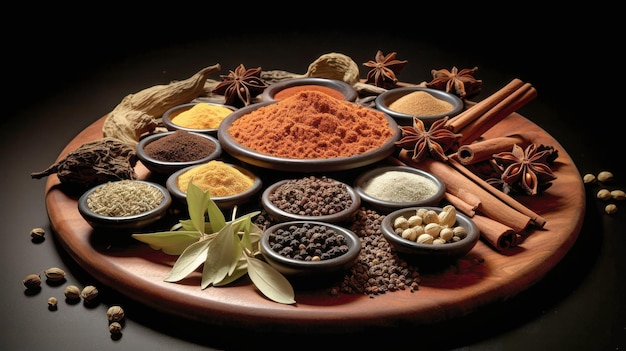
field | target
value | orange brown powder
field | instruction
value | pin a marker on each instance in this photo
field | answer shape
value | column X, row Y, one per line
column 287, row 92
column 312, row 125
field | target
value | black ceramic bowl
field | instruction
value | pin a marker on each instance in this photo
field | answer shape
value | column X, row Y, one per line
column 282, row 215
column 169, row 167
column 124, row 224
column 170, row 114
column 345, row 90
column 253, row 157
column 434, row 253
column 298, row 267
column 384, row 201
column 383, row 101
column 223, row 202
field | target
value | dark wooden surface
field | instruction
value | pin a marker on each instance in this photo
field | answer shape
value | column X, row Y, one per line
column 57, row 83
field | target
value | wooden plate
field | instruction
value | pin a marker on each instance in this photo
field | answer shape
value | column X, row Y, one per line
column 482, row 277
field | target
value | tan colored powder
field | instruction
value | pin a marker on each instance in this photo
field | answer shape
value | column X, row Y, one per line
column 202, row 116
column 420, row 103
column 218, row 177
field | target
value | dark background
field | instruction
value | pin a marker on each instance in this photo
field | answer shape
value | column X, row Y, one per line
column 64, row 68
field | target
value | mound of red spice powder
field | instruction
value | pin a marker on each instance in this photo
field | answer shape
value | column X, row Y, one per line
column 312, row 125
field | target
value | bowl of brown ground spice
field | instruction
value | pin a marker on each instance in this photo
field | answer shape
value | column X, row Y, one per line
column 168, row 152
column 124, row 206
column 429, row 105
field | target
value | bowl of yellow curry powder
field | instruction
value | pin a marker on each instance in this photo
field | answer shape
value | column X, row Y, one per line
column 199, row 117
column 229, row 185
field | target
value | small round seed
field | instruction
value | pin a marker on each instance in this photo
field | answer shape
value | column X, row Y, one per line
column 589, row 178
column 32, row 281
column 605, row 176
column 610, row 209
column 603, row 194
column 37, row 234
column 115, row 328
column 618, row 194
column 115, row 313
column 71, row 292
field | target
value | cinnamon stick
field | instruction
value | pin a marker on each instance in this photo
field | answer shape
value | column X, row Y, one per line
column 485, row 149
column 464, row 118
column 496, row 234
column 490, row 205
column 535, row 218
column 460, row 205
column 500, row 111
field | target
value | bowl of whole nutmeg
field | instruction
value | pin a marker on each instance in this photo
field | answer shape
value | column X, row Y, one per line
column 309, row 248
column 430, row 234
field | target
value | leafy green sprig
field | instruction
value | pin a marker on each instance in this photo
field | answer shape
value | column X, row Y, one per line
column 228, row 250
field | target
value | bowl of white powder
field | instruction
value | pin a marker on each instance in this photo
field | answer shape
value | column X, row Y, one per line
column 394, row 187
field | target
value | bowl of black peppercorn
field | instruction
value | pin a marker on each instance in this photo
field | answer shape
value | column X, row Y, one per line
column 310, row 198
column 309, row 248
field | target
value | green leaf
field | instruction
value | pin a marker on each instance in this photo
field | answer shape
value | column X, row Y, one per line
column 222, row 256
column 216, row 217
column 193, row 256
column 186, row 224
column 240, row 271
column 197, row 203
column 270, row 282
column 171, row 242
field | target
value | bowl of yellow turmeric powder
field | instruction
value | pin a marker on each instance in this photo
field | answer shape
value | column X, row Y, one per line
column 228, row 184
column 429, row 105
column 199, row 117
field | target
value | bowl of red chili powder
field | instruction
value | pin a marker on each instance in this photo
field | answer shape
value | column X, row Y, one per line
column 308, row 132
column 168, row 152
column 288, row 87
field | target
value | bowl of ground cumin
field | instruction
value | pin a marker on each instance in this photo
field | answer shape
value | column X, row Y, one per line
column 166, row 153
column 308, row 132
column 199, row 117
column 310, row 248
column 229, row 185
column 288, row 87
column 390, row 188
column 429, row 105
column 124, row 206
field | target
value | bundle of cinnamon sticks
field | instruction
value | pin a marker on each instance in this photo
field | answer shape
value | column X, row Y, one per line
column 502, row 220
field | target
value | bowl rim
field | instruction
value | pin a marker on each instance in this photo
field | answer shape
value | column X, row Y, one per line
column 402, row 118
column 392, row 205
column 348, row 91
column 258, row 159
column 165, row 118
column 222, row 201
column 91, row 216
column 354, row 247
column 152, row 162
column 473, row 233
column 282, row 215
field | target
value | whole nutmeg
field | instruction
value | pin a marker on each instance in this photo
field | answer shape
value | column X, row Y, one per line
column 32, row 281
column 54, row 274
column 71, row 292
column 89, row 293
column 115, row 313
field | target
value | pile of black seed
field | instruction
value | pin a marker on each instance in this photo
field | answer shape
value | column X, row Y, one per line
column 308, row 242
column 379, row 269
column 311, row 196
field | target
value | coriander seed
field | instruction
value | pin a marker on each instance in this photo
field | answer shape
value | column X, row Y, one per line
column 115, row 328
column 72, row 292
column 32, row 281
column 37, row 234
column 55, row 274
column 115, row 313
column 89, row 293
column 610, row 209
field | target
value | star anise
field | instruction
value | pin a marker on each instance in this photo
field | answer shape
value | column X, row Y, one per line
column 526, row 169
column 384, row 70
column 435, row 141
column 240, row 86
column 462, row 84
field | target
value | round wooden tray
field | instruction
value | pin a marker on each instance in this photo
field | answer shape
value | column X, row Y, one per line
column 483, row 277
